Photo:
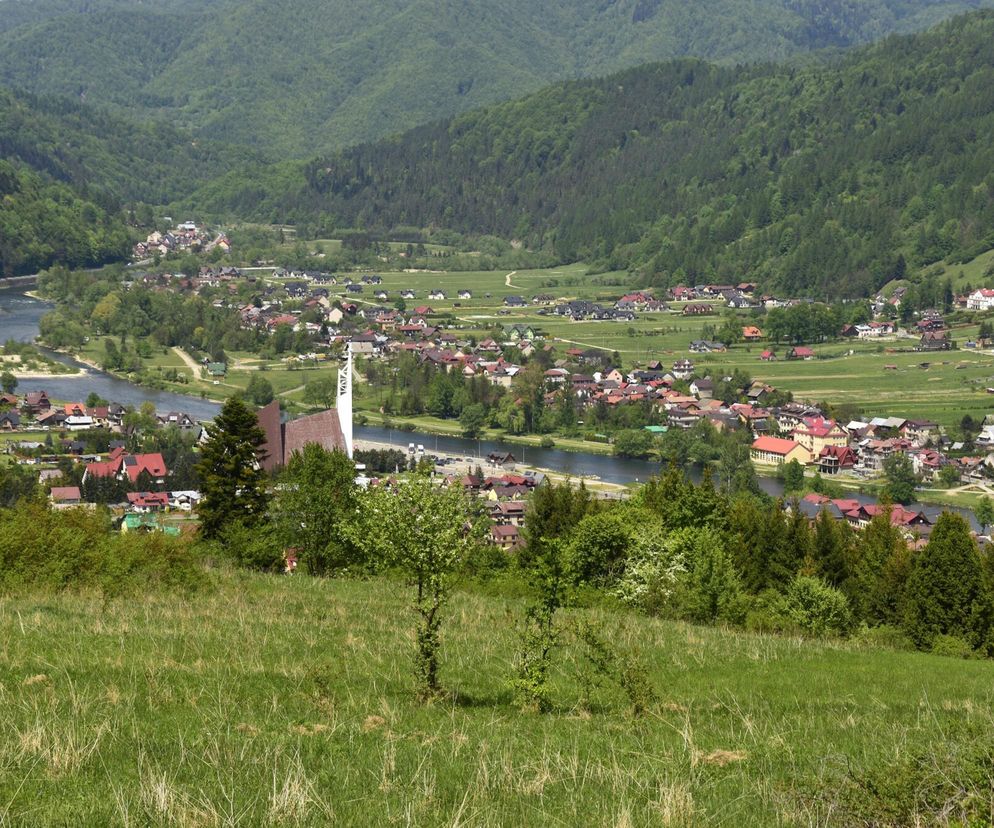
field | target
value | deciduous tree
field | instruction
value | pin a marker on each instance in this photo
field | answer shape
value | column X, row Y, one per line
column 425, row 532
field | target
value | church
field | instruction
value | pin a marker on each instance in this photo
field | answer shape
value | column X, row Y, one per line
column 331, row 429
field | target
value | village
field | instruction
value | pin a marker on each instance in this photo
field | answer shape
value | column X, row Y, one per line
column 352, row 312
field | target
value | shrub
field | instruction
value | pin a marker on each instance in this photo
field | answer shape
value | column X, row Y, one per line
column 814, row 607
column 886, row 636
column 546, row 442
column 78, row 548
column 953, row 647
column 255, row 547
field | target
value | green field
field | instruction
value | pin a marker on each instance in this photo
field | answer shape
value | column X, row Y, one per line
column 954, row 384
column 287, row 701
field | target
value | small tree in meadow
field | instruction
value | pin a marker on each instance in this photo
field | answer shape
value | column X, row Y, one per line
column 539, row 633
column 425, row 532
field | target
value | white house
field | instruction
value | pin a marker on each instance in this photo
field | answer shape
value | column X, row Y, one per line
column 980, row 299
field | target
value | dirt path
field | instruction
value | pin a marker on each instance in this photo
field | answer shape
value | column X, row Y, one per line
column 188, row 360
column 507, row 280
column 586, row 345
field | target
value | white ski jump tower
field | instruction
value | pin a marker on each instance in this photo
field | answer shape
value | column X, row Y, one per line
column 343, row 402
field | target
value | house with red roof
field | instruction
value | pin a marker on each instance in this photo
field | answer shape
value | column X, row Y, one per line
column 815, row 433
column 774, row 451
column 980, row 299
column 800, row 352
column 507, row 538
column 129, row 466
column 834, row 459
column 65, row 497
column 148, row 501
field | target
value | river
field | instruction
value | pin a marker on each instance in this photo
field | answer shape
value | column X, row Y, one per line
column 19, row 315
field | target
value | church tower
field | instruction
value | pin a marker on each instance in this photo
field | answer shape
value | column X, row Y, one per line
column 343, row 404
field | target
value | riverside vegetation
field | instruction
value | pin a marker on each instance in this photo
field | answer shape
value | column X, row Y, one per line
column 572, row 679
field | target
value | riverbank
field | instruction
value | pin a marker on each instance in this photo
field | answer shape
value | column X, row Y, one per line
column 452, row 428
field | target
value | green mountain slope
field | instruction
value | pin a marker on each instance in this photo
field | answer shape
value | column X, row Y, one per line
column 44, row 222
column 829, row 180
column 101, row 153
column 68, row 168
column 303, row 76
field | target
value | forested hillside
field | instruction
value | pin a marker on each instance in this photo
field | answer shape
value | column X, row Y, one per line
column 112, row 158
column 305, row 76
column 69, row 170
column 828, row 180
column 42, row 222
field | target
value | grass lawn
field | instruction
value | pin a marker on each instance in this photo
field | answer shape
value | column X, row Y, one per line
column 287, row 701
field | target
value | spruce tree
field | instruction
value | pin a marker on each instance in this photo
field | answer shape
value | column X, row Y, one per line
column 785, row 559
column 880, row 571
column 946, row 592
column 830, row 549
column 232, row 482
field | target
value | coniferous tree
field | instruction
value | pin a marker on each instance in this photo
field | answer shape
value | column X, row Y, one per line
column 232, row 482
column 785, row 560
column 882, row 562
column 829, row 549
column 554, row 510
column 946, row 592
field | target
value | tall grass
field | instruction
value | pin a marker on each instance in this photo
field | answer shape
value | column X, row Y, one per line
column 288, row 701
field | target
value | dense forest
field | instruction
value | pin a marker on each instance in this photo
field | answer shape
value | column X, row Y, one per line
column 43, row 221
column 111, row 157
column 70, row 170
column 306, row 76
column 828, row 180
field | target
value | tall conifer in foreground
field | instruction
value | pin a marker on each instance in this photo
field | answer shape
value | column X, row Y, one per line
column 232, row 482
column 946, row 593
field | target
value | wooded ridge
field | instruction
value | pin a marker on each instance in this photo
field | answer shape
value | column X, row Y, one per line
column 828, row 180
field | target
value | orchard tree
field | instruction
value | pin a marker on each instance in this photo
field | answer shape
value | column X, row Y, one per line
column 232, row 481
column 427, row 533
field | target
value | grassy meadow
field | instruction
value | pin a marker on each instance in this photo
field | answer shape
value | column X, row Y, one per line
column 288, row 701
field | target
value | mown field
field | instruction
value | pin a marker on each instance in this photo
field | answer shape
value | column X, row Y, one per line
column 287, row 701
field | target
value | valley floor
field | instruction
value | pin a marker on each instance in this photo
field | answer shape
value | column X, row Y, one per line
column 288, row 701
